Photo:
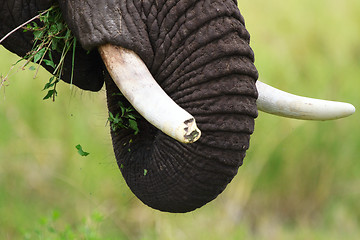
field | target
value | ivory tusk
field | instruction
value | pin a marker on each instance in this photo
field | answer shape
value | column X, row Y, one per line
column 274, row 101
column 137, row 84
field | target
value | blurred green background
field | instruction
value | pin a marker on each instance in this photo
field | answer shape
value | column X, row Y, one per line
column 300, row 180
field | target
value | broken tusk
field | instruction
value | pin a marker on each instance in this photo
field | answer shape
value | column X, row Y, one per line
column 274, row 101
column 137, row 84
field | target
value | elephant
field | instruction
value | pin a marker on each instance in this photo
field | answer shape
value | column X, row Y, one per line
column 197, row 64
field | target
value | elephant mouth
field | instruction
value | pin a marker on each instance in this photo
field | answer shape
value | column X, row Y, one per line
column 136, row 83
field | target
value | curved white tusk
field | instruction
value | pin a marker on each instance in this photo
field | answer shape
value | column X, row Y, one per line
column 137, row 84
column 274, row 101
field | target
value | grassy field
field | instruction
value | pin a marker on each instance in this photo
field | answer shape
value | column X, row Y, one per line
column 300, row 180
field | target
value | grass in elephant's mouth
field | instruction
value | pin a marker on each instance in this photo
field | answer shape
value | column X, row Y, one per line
column 126, row 119
column 53, row 35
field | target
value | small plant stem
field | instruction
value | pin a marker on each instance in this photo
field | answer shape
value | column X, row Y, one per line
column 62, row 59
column 4, row 79
column 73, row 62
column 23, row 24
column 54, row 95
column 42, row 58
column 32, row 55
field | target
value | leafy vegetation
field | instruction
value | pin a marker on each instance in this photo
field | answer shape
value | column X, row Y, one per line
column 52, row 35
column 124, row 119
column 81, row 151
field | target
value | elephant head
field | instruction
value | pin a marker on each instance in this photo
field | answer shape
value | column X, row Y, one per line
column 198, row 53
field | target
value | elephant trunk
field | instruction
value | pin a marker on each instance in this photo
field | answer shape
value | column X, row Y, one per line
column 213, row 78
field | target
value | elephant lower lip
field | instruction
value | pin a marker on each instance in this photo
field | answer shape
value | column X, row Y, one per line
column 135, row 81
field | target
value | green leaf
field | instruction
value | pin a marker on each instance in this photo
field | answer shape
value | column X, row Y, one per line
column 35, row 26
column 50, row 56
column 50, row 83
column 54, row 29
column 68, row 34
column 133, row 125
column 49, row 63
column 145, row 172
column 122, row 111
column 50, row 94
column 117, row 94
column 130, row 116
column 80, row 151
column 32, row 68
column 55, row 44
column 18, row 61
column 39, row 55
column 38, row 34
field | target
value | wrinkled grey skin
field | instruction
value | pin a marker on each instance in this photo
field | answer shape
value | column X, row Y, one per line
column 198, row 51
